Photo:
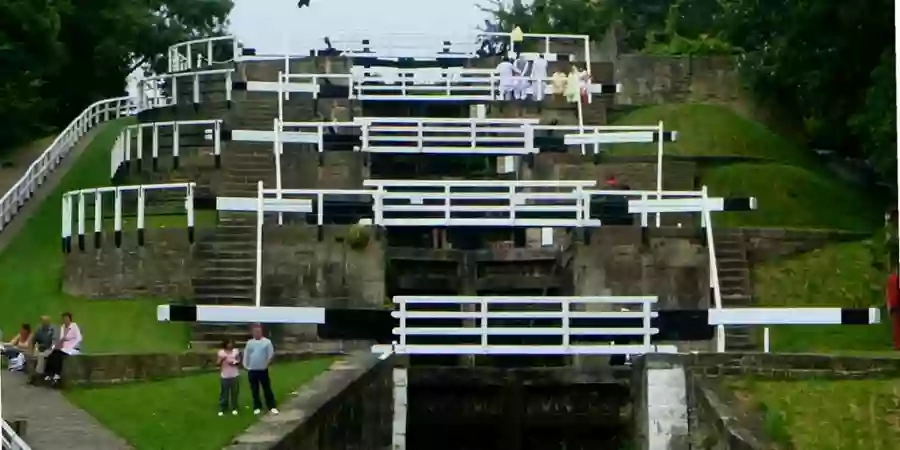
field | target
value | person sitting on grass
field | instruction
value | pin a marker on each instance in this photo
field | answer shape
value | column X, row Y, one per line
column 15, row 349
column 228, row 359
column 69, row 344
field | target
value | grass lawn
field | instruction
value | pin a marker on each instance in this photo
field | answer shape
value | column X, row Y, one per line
column 32, row 266
column 858, row 414
column 792, row 197
column 709, row 130
column 839, row 275
column 794, row 189
column 168, row 414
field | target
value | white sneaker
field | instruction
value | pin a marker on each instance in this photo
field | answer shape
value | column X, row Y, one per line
column 221, row 414
column 234, row 412
column 273, row 411
column 256, row 412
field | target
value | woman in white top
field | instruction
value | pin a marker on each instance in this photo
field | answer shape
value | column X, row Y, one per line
column 69, row 344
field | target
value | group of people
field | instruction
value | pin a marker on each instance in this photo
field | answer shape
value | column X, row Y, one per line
column 47, row 344
column 520, row 78
column 255, row 358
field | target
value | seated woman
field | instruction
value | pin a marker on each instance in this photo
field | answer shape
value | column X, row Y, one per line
column 69, row 344
column 16, row 349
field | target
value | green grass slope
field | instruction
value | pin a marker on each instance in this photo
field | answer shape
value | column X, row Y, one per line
column 32, row 268
column 167, row 414
column 794, row 190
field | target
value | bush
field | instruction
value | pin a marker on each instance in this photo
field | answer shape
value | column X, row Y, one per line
column 359, row 236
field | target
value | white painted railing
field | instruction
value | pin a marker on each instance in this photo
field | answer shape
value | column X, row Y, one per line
column 9, row 440
column 199, row 53
column 412, row 310
column 150, row 95
column 132, row 137
column 399, row 45
column 450, row 84
column 50, row 159
column 464, row 135
column 74, row 210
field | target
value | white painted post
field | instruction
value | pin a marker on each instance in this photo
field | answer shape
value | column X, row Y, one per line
column 259, row 233
column 154, row 151
column 581, row 122
column 281, row 94
column 766, row 340
column 117, row 217
column 176, row 144
column 566, row 309
column 81, row 220
column 217, row 142
column 277, row 149
column 174, row 89
column 398, row 435
column 140, row 215
column 646, row 325
column 189, row 209
column 140, row 146
column 659, row 170
column 196, row 89
column 98, row 217
column 228, row 82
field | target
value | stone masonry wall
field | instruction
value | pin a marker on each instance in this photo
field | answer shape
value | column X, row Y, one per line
column 616, row 262
column 349, row 407
column 161, row 268
column 112, row 368
column 656, row 80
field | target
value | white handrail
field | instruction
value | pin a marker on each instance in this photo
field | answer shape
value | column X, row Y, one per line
column 149, row 95
column 121, row 152
column 706, row 222
column 74, row 209
column 50, row 159
column 182, row 55
column 9, row 440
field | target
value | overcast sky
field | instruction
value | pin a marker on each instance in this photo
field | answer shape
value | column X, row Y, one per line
column 267, row 24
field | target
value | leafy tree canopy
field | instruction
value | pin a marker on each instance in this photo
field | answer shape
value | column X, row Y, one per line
column 57, row 57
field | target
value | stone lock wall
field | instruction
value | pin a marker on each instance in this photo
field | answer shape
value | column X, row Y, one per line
column 163, row 267
column 657, row 80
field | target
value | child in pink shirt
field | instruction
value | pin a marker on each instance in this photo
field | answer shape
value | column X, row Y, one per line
column 228, row 359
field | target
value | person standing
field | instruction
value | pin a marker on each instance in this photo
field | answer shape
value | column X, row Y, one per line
column 538, row 77
column 507, row 72
column 516, row 37
column 892, row 292
column 228, row 359
column 258, row 355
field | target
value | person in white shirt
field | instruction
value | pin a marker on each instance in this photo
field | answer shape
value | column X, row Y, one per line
column 539, row 78
column 506, row 71
column 524, row 69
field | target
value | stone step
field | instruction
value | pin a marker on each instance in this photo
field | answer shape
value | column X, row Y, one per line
column 227, row 290
column 232, row 263
column 239, row 254
column 227, row 280
column 216, row 271
column 730, row 290
column 736, row 300
column 743, row 272
column 225, row 299
column 731, row 263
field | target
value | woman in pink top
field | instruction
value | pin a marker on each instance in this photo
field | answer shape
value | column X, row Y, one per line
column 69, row 344
column 228, row 359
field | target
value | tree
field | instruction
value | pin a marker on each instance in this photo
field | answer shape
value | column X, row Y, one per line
column 29, row 53
column 112, row 38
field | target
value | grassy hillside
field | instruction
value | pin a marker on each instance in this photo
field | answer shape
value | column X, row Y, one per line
column 33, row 263
column 793, row 188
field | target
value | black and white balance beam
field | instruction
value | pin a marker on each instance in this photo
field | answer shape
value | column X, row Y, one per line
column 379, row 325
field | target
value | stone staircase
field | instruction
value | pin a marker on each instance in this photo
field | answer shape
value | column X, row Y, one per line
column 227, row 276
column 734, row 282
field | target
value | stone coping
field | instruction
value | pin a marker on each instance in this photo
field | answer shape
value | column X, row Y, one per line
column 99, row 369
column 792, row 366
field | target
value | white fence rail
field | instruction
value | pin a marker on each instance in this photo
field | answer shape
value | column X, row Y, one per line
column 9, row 440
column 411, row 311
column 150, row 90
column 199, row 53
column 450, row 84
column 75, row 203
column 50, row 159
column 131, row 142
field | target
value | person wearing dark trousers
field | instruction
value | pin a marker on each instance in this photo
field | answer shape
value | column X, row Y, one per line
column 258, row 355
